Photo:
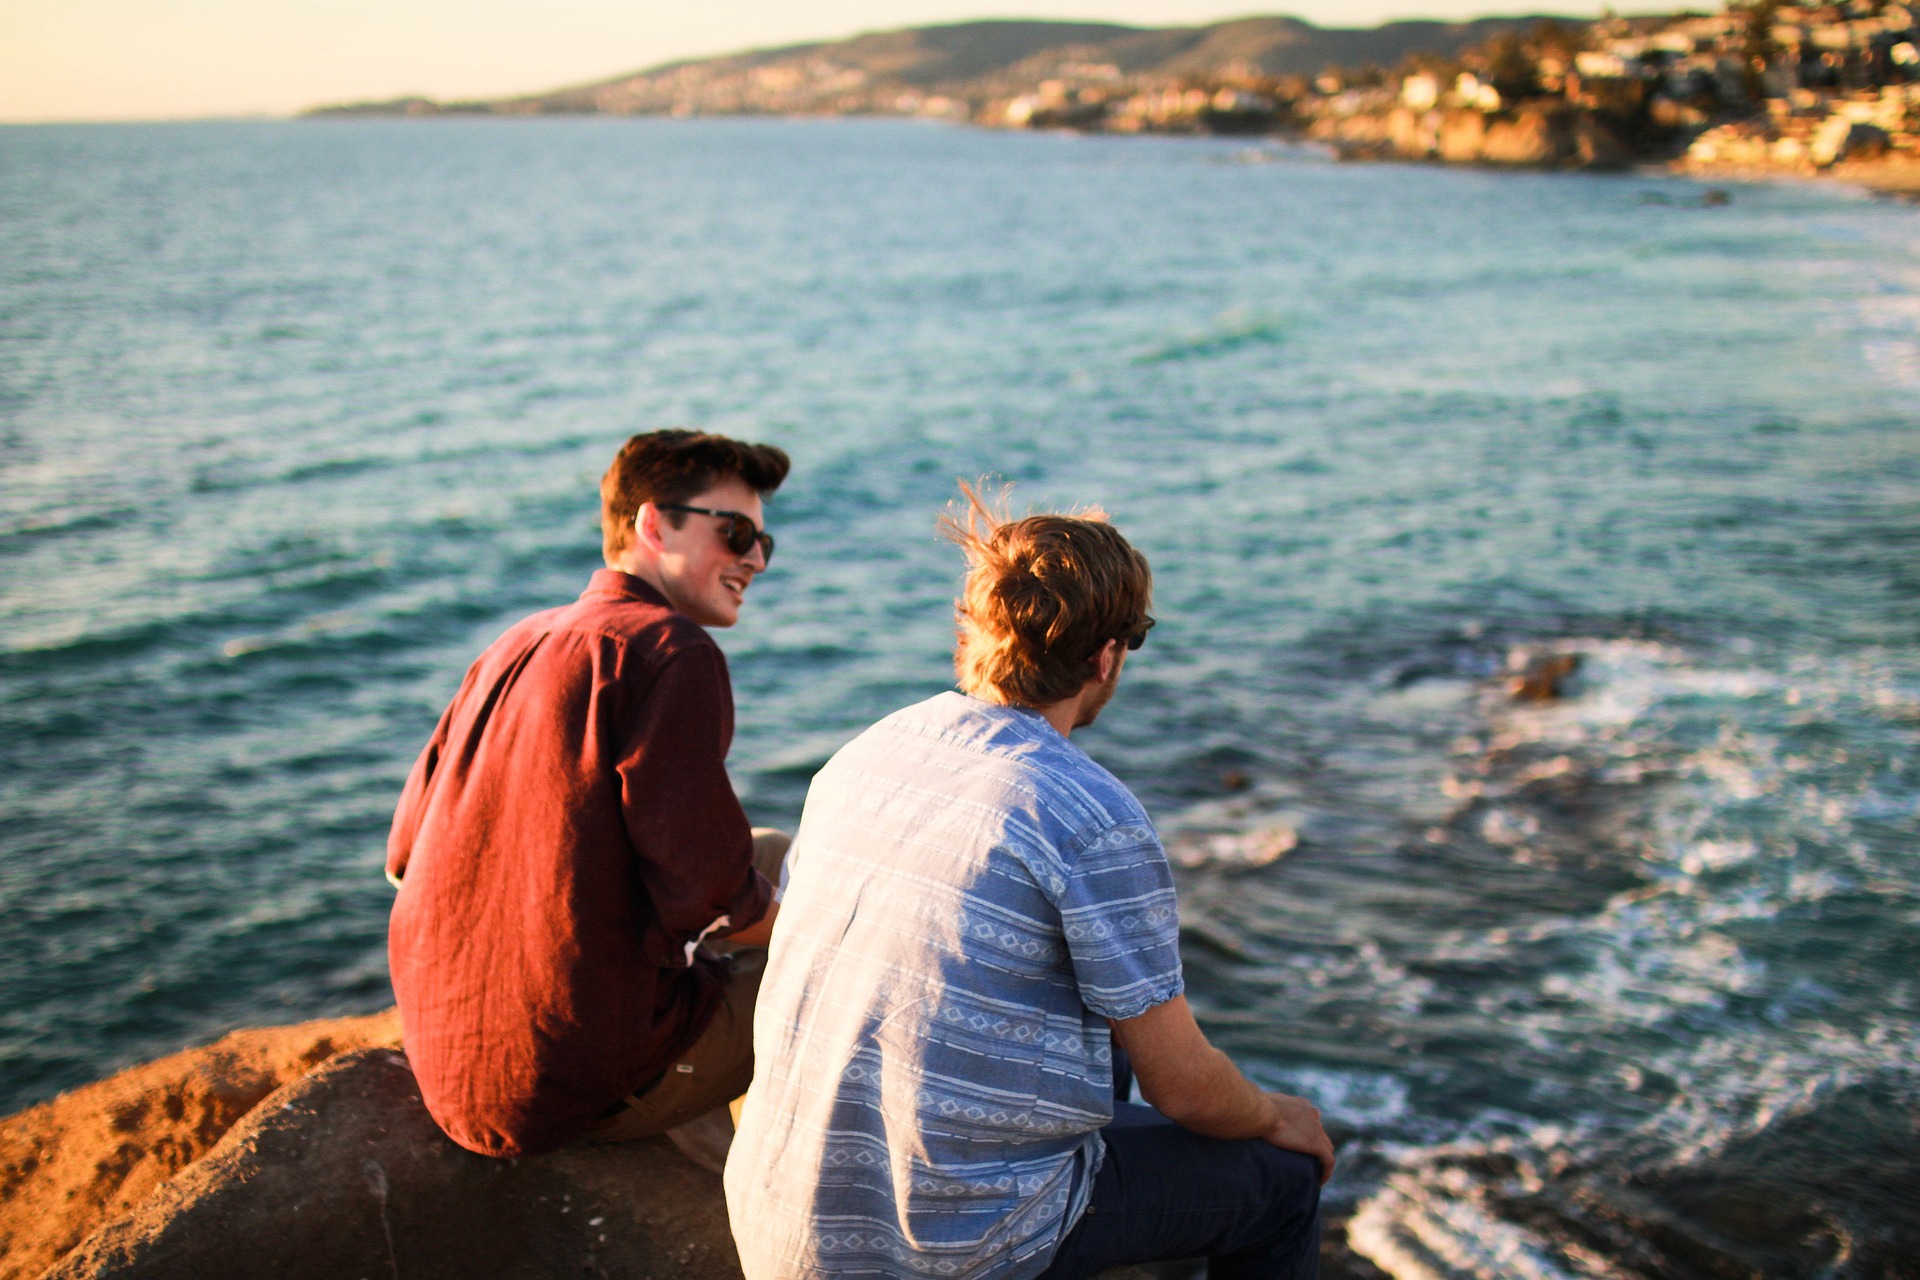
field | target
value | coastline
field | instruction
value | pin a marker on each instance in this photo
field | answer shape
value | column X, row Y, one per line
column 1894, row 179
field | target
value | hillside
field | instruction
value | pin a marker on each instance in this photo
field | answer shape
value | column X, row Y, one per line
column 965, row 64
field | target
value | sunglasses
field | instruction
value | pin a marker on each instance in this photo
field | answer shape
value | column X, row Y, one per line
column 1133, row 640
column 741, row 532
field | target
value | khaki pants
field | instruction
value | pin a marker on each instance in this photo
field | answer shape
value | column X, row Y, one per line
column 716, row 1068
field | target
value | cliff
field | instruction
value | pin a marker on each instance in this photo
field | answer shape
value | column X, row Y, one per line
column 1533, row 135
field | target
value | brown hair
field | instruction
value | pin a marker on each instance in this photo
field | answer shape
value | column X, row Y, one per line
column 672, row 466
column 1042, row 595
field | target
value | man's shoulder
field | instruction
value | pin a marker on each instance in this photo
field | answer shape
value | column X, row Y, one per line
column 655, row 629
column 954, row 741
column 956, row 724
column 591, row 642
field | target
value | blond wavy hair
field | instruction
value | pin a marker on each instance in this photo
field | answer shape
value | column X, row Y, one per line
column 1042, row 595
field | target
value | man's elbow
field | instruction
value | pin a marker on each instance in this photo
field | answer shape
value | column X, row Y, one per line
column 1193, row 1087
column 1184, row 1100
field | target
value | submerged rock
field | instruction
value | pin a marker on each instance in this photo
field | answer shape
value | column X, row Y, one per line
column 1540, row 677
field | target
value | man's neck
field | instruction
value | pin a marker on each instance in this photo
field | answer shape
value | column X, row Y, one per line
column 1066, row 714
column 1061, row 715
column 646, row 572
column 1079, row 711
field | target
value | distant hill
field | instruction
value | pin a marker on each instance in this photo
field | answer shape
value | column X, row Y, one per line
column 966, row 63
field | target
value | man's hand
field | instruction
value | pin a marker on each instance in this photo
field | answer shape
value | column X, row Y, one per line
column 760, row 932
column 1296, row 1127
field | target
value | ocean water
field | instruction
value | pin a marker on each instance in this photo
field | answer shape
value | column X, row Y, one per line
column 295, row 417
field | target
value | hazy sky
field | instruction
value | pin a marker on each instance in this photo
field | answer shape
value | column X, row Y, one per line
column 147, row 59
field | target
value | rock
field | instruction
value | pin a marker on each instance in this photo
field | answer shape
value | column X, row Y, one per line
column 1529, row 138
column 1414, row 134
column 1526, row 139
column 1260, row 846
column 343, row 1174
column 1539, row 677
column 1596, row 146
column 1839, row 138
column 90, row 1155
column 1463, row 137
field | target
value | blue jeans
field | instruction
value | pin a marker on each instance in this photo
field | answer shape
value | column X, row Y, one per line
column 1164, row 1193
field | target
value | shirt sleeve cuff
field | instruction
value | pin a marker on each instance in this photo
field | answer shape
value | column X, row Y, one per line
column 720, row 923
column 1153, row 998
column 750, row 904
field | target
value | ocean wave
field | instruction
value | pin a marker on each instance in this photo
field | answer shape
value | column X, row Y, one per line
column 1582, row 1199
column 1694, row 817
column 1354, row 1099
column 30, row 530
column 334, row 607
column 799, row 759
column 1415, row 1230
column 1744, row 831
column 1234, row 333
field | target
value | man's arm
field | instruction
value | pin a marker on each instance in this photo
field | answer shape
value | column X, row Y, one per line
column 1197, row 1087
column 692, row 839
column 412, row 808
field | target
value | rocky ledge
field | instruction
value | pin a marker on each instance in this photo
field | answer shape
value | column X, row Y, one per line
column 305, row 1152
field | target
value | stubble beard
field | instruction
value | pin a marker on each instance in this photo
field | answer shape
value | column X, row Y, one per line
column 1097, row 699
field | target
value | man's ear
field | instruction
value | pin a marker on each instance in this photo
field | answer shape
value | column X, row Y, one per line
column 1106, row 660
column 646, row 527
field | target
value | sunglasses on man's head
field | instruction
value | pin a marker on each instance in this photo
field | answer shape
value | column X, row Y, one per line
column 741, row 532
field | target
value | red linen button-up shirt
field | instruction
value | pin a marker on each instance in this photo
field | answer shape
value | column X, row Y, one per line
column 567, row 833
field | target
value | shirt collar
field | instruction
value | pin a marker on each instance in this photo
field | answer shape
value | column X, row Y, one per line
column 1031, row 715
column 613, row 584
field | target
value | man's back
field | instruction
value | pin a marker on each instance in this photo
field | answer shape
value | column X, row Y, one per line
column 971, row 899
column 538, row 943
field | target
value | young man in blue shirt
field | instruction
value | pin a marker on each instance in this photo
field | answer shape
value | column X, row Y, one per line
column 976, row 912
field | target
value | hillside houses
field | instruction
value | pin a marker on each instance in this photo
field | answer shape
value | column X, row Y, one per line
column 1760, row 87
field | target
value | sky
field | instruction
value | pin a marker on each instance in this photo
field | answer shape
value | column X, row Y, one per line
column 175, row 59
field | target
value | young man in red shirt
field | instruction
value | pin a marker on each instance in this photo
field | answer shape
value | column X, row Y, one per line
column 569, row 836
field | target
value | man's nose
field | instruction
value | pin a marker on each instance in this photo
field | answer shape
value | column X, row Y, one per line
column 755, row 559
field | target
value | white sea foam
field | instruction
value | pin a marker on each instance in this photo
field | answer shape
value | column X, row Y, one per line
column 1738, row 831
column 1360, row 1099
column 1890, row 331
column 1416, row 1231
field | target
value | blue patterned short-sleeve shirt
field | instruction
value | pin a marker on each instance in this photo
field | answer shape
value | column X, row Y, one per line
column 971, row 898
